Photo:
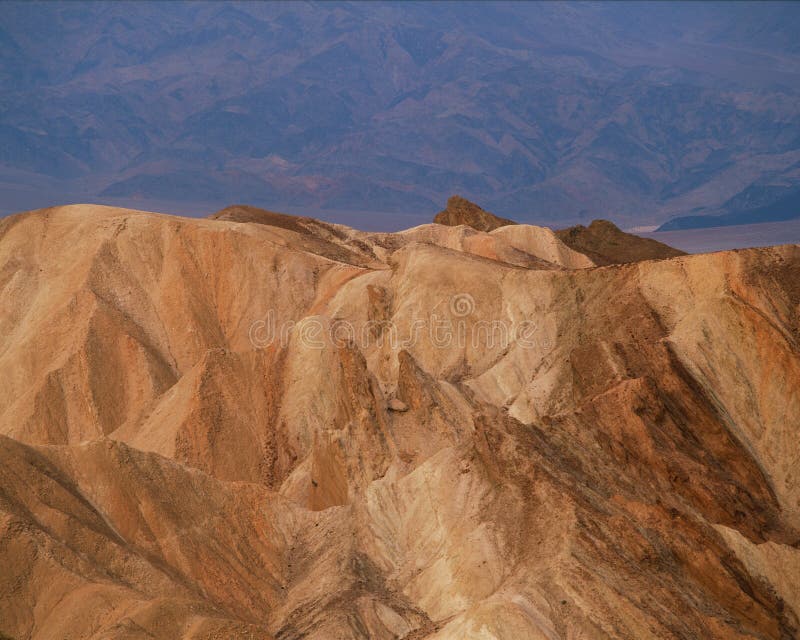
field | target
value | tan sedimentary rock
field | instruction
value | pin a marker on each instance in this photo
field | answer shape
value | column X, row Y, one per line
column 230, row 428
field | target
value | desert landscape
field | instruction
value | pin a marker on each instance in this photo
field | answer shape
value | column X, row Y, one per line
column 390, row 320
column 263, row 426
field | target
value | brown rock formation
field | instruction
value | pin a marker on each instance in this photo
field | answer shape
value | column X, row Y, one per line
column 238, row 429
column 605, row 244
column 461, row 211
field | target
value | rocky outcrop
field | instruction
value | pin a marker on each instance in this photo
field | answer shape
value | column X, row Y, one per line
column 604, row 243
column 246, row 429
column 461, row 211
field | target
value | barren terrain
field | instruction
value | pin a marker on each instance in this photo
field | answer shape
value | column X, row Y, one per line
column 259, row 426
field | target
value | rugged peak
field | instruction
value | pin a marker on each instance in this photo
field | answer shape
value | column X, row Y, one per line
column 604, row 226
column 461, row 211
column 605, row 243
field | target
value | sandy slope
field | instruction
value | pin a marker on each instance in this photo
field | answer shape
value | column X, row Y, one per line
column 625, row 467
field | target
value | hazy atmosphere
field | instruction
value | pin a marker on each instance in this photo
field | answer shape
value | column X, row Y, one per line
column 544, row 112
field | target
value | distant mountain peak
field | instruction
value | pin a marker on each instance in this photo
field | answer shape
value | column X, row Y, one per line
column 461, row 211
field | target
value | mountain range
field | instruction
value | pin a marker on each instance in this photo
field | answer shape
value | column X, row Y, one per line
column 549, row 112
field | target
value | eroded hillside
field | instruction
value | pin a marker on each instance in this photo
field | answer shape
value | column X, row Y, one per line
column 261, row 427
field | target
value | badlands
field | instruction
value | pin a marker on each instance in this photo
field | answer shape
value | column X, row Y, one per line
column 262, row 426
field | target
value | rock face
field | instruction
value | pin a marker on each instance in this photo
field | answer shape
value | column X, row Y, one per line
column 276, row 428
column 461, row 211
column 604, row 243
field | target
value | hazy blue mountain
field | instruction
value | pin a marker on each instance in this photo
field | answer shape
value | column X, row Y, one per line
column 548, row 112
column 754, row 205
